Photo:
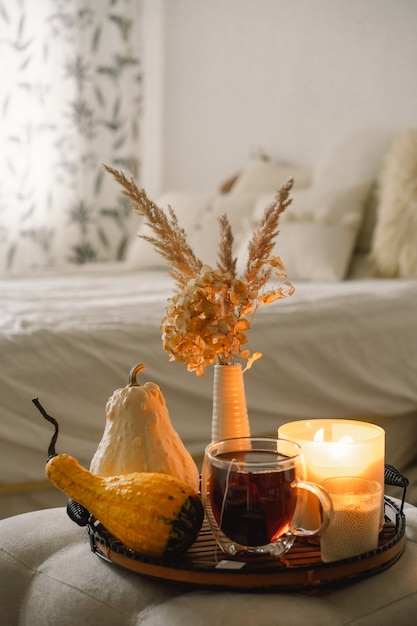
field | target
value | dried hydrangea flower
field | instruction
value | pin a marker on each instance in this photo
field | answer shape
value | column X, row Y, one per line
column 207, row 322
column 208, row 318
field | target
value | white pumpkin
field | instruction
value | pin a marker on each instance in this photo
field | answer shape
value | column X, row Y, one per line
column 139, row 436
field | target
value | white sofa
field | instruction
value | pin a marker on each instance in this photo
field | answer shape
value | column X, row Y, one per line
column 343, row 346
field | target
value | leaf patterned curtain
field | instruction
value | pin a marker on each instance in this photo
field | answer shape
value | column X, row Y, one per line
column 71, row 99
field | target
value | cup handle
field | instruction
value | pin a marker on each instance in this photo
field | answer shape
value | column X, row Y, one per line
column 326, row 507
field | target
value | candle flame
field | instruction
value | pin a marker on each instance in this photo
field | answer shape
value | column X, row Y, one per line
column 319, row 436
column 346, row 439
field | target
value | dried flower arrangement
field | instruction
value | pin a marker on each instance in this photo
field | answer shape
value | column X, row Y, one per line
column 208, row 317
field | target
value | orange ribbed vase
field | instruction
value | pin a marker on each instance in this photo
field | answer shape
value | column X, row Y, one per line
column 230, row 415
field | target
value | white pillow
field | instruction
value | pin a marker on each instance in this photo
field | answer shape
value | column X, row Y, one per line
column 315, row 251
column 261, row 175
column 310, row 250
column 344, row 205
column 187, row 206
column 317, row 232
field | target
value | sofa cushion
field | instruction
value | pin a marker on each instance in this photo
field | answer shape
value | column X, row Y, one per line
column 317, row 231
column 394, row 248
column 350, row 159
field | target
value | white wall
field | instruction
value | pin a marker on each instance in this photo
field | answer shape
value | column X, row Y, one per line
column 286, row 76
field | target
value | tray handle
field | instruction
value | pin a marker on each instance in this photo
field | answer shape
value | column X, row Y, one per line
column 394, row 478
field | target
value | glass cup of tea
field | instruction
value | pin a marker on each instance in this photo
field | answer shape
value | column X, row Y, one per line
column 254, row 491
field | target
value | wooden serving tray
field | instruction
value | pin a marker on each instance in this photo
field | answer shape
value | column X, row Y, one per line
column 204, row 564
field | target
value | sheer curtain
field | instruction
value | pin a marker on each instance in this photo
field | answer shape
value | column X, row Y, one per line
column 71, row 100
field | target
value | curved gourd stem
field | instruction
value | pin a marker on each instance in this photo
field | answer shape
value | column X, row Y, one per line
column 133, row 374
column 51, row 448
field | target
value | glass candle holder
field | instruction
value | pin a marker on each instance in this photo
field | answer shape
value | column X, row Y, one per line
column 338, row 448
column 354, row 526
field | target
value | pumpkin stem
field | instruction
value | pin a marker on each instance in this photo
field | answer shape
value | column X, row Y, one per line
column 51, row 448
column 133, row 374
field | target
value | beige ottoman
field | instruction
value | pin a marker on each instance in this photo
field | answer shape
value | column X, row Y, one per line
column 49, row 576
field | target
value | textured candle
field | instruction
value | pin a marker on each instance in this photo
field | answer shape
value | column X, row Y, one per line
column 354, row 527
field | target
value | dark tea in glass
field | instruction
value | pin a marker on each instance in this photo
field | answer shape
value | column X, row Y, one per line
column 253, row 508
column 253, row 492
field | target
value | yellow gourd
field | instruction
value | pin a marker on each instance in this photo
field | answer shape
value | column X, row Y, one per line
column 151, row 513
column 139, row 436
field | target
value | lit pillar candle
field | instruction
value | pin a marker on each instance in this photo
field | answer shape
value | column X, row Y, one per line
column 338, row 448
